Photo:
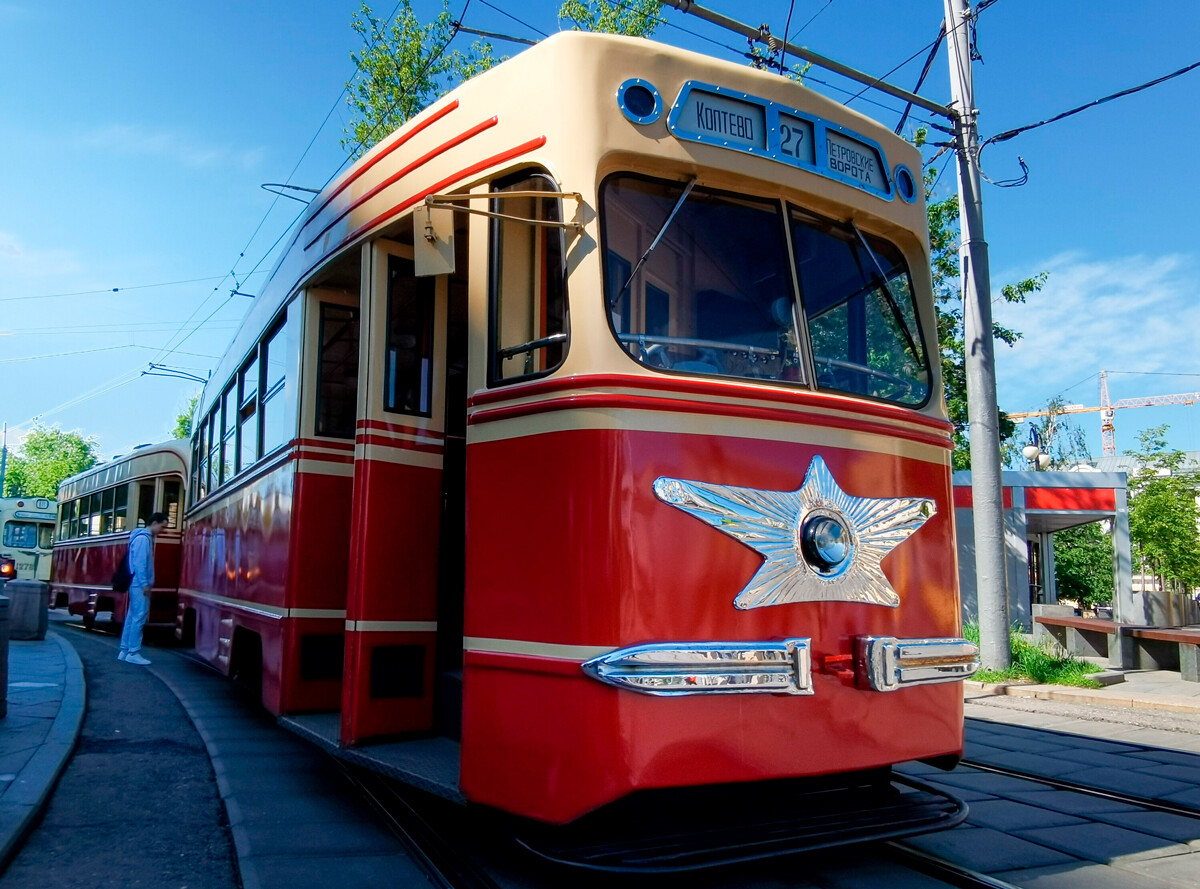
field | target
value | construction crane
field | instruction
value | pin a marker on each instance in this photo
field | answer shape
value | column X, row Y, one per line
column 1108, row 408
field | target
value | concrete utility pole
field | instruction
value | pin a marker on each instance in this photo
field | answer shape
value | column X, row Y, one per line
column 986, row 487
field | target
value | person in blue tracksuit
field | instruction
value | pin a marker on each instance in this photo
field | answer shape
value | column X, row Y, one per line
column 141, row 566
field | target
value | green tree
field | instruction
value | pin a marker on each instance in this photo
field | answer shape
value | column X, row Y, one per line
column 1083, row 568
column 1163, row 512
column 947, row 293
column 402, row 68
column 183, row 423
column 47, row 456
column 638, row 18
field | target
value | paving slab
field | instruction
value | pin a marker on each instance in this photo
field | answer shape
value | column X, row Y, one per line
column 1104, row 843
column 1079, row 876
column 1179, row 828
column 1009, row 816
column 988, row 851
column 1179, row 870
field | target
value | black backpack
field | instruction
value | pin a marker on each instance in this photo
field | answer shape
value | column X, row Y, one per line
column 122, row 578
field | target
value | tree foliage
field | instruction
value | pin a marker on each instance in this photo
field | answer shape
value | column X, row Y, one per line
column 1163, row 511
column 638, row 18
column 183, row 423
column 47, row 456
column 403, row 67
column 943, row 261
column 1083, row 566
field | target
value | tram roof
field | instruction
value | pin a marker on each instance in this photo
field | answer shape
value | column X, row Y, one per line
column 574, row 58
column 144, row 460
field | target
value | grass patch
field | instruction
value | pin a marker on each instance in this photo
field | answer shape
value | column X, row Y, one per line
column 1036, row 662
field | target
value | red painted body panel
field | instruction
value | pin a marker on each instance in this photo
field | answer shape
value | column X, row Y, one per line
column 613, row 566
column 1091, row 499
column 393, row 577
column 277, row 545
column 83, row 569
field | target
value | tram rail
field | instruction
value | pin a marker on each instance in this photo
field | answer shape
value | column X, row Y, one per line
column 1151, row 803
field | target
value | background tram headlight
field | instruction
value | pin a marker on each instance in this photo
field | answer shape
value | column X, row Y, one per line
column 826, row 544
column 8, row 569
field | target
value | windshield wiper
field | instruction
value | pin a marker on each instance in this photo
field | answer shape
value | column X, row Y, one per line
column 687, row 190
column 897, row 315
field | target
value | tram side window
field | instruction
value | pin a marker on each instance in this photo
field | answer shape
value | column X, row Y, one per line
column 214, row 448
column 337, row 371
column 274, row 403
column 408, row 373
column 229, row 436
column 527, row 288
column 106, row 511
column 94, row 515
column 65, row 520
column 248, row 414
column 170, row 506
column 45, row 535
column 145, row 502
column 200, row 460
column 862, row 320
column 120, row 508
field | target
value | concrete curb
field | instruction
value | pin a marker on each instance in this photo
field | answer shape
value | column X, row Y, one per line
column 1106, row 697
column 30, row 791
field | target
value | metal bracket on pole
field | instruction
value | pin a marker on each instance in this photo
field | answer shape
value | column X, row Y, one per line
column 763, row 35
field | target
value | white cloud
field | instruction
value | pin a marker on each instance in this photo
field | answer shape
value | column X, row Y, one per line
column 18, row 260
column 138, row 141
column 1130, row 313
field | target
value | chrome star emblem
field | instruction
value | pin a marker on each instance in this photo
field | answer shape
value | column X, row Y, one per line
column 779, row 526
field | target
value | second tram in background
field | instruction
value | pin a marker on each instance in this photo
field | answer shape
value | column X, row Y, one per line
column 98, row 509
column 26, row 537
column 588, row 441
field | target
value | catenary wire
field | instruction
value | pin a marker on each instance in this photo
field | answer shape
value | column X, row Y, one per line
column 89, row 351
column 787, row 26
column 811, row 19
column 9, row 299
column 509, row 15
column 1009, row 134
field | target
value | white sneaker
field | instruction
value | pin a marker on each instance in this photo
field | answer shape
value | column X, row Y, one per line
column 124, row 654
column 134, row 658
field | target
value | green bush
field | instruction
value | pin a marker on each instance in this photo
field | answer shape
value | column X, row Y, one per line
column 1036, row 662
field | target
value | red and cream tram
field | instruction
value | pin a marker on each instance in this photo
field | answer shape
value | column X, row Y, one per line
column 588, row 439
column 97, row 511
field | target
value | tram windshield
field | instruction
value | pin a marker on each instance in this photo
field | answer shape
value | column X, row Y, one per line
column 28, row 535
column 715, row 294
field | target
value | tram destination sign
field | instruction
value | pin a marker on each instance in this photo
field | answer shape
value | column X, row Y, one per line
column 740, row 122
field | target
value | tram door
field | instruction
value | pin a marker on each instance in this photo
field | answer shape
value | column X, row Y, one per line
column 401, row 447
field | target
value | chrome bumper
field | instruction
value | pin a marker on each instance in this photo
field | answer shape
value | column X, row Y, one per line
column 888, row 663
column 692, row 668
column 882, row 663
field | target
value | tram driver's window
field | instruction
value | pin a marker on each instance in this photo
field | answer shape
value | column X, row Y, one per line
column 408, row 362
column 528, row 292
column 862, row 320
column 697, row 281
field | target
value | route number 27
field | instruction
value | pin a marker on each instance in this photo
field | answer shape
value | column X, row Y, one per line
column 788, row 136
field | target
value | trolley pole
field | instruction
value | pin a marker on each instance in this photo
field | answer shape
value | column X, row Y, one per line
column 986, row 488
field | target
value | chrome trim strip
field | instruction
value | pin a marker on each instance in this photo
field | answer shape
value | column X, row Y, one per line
column 391, row 626
column 890, row 663
column 691, row 668
column 261, row 609
column 534, row 649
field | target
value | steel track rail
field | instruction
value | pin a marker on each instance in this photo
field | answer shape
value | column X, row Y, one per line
column 939, row 868
column 446, row 867
column 1113, row 795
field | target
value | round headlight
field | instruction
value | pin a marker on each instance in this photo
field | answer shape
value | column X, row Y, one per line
column 825, row 543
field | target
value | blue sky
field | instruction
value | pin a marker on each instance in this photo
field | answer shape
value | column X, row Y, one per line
column 136, row 136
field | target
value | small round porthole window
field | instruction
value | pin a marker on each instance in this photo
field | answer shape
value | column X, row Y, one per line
column 639, row 101
column 906, row 185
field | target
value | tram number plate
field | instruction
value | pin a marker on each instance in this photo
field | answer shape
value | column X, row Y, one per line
column 796, row 139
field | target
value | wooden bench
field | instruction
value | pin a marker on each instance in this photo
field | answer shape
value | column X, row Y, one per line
column 1166, row 648
column 1081, row 636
